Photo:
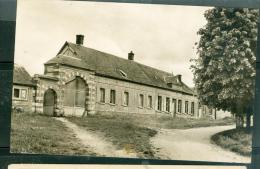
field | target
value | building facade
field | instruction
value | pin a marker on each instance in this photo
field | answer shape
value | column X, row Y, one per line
column 23, row 90
column 79, row 81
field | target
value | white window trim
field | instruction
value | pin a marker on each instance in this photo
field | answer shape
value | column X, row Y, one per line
column 20, row 89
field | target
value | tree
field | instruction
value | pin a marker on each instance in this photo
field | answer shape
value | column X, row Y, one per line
column 224, row 72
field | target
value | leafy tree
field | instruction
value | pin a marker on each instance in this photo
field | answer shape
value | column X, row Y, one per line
column 224, row 72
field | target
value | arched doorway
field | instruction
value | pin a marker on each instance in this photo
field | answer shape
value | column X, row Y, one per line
column 75, row 95
column 49, row 102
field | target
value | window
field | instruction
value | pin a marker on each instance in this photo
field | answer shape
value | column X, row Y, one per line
column 102, row 95
column 141, row 100
column 20, row 93
column 186, row 107
column 159, row 106
column 23, row 93
column 192, row 108
column 123, row 73
column 126, row 98
column 179, row 106
column 167, row 104
column 113, row 96
column 16, row 93
column 150, row 102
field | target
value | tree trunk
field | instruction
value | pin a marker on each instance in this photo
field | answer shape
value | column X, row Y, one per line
column 248, row 120
column 215, row 114
column 242, row 121
column 239, row 121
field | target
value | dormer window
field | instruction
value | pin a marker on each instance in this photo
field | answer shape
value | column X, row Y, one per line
column 169, row 85
column 123, row 73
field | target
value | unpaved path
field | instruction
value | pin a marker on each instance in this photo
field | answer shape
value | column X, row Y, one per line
column 194, row 144
column 96, row 142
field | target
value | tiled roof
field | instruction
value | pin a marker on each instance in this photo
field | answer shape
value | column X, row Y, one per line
column 108, row 65
column 21, row 76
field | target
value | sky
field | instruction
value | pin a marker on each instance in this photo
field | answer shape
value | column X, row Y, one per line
column 161, row 36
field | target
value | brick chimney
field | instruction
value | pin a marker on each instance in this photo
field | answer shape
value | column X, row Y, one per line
column 79, row 39
column 131, row 55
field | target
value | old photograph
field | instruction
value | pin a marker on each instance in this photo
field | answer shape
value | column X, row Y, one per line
column 96, row 166
column 134, row 80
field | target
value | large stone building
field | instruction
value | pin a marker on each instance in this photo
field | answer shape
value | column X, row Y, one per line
column 80, row 81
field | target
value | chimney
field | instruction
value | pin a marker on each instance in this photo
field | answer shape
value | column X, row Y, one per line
column 179, row 78
column 131, row 55
column 79, row 39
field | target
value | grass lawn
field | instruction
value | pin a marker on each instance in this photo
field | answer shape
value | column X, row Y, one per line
column 122, row 133
column 164, row 121
column 236, row 140
column 133, row 131
column 32, row 133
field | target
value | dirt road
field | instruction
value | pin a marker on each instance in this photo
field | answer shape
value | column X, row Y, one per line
column 95, row 141
column 193, row 144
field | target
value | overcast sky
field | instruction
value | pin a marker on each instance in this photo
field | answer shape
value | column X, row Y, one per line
column 161, row 36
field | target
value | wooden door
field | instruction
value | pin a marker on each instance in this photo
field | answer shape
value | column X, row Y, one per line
column 49, row 103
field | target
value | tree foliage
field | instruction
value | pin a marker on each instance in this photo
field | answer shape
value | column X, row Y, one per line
column 224, row 72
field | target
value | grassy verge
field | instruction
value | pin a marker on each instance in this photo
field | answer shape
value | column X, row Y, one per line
column 236, row 140
column 164, row 121
column 31, row 133
column 122, row 133
column 185, row 123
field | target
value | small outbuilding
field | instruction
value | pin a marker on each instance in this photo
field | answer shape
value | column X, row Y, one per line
column 23, row 90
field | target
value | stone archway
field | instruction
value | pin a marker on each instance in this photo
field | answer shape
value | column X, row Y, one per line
column 49, row 102
column 76, row 94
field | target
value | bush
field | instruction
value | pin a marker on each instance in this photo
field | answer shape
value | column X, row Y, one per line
column 236, row 140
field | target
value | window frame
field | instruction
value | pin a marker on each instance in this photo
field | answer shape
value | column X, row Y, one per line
column 102, row 97
column 125, row 98
column 150, row 101
column 16, row 91
column 186, row 107
column 112, row 97
column 167, row 104
column 20, row 89
column 192, row 108
column 141, row 101
column 159, row 103
column 179, row 106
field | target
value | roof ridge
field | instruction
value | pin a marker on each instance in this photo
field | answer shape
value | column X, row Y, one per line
column 121, row 58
